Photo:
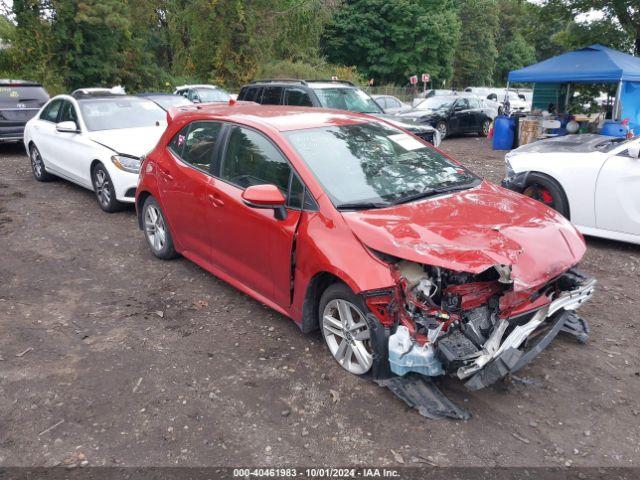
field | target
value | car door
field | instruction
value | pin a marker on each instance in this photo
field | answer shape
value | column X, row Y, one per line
column 252, row 245
column 459, row 119
column 476, row 115
column 75, row 152
column 184, row 178
column 45, row 135
column 617, row 200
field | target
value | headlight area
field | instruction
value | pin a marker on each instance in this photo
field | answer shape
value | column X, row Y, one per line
column 126, row 163
column 473, row 327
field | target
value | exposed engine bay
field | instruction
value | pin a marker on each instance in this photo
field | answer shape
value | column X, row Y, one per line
column 475, row 326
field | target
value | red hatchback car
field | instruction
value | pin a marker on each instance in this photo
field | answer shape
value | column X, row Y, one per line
column 410, row 265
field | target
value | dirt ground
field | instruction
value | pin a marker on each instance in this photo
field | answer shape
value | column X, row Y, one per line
column 111, row 356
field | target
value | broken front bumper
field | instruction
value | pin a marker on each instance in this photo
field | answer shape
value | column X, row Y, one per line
column 501, row 356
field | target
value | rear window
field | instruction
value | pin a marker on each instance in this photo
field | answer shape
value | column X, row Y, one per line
column 22, row 97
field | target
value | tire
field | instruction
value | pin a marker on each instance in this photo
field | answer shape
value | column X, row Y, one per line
column 546, row 190
column 484, row 128
column 156, row 230
column 37, row 166
column 443, row 129
column 104, row 190
column 342, row 320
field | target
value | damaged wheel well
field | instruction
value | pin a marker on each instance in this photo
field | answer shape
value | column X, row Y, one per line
column 318, row 284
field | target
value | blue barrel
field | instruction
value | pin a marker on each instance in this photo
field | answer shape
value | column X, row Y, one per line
column 612, row 128
column 503, row 132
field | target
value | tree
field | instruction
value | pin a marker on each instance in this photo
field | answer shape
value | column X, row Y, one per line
column 476, row 54
column 390, row 41
column 625, row 12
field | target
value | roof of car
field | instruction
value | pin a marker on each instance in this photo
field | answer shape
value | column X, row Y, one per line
column 18, row 83
column 307, row 83
column 198, row 86
column 281, row 118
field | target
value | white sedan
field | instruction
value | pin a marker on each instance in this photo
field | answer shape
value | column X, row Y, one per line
column 96, row 141
column 591, row 179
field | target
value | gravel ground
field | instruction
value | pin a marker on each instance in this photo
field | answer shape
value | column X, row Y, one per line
column 111, row 357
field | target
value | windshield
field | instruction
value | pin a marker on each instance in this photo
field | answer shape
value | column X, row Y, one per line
column 26, row 96
column 212, row 95
column 117, row 113
column 436, row 103
column 350, row 99
column 375, row 163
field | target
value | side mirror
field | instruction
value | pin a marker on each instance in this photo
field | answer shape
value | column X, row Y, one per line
column 634, row 151
column 67, row 127
column 457, row 108
column 266, row 196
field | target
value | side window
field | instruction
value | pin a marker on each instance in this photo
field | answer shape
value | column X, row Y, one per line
column 296, row 193
column 392, row 102
column 193, row 96
column 251, row 159
column 68, row 113
column 463, row 103
column 297, row 97
column 50, row 113
column 272, row 95
column 200, row 143
column 473, row 103
column 252, row 94
column 176, row 145
column 382, row 101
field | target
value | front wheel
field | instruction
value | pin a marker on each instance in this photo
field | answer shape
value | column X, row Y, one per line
column 442, row 130
column 156, row 230
column 345, row 329
column 547, row 191
column 104, row 189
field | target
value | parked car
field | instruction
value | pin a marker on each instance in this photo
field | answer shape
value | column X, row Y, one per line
column 391, row 104
column 328, row 94
column 20, row 100
column 518, row 101
column 203, row 93
column 96, row 141
column 592, row 180
column 453, row 114
column 404, row 259
column 166, row 100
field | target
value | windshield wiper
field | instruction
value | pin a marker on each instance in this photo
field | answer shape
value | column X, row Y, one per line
column 361, row 205
column 435, row 191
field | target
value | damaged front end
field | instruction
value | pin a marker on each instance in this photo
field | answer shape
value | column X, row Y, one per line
column 476, row 327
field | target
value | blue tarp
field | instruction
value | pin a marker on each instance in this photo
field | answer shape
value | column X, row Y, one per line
column 592, row 64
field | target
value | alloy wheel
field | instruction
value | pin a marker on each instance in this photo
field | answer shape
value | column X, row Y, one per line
column 486, row 126
column 154, row 228
column 347, row 335
column 103, row 186
column 36, row 162
column 442, row 129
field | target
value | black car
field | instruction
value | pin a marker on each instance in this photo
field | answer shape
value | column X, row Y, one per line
column 166, row 100
column 20, row 100
column 335, row 94
column 451, row 114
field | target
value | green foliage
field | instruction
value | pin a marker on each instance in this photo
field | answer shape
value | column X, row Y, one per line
column 390, row 41
column 476, row 54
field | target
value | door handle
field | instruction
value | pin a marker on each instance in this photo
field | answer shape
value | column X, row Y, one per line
column 215, row 200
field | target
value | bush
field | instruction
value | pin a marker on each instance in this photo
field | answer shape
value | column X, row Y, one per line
column 314, row 70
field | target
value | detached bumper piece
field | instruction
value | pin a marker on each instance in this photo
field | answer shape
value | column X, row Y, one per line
column 513, row 359
column 421, row 393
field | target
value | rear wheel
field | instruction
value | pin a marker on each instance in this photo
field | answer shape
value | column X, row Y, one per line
column 345, row 329
column 37, row 166
column 104, row 189
column 156, row 230
column 547, row 191
column 484, row 128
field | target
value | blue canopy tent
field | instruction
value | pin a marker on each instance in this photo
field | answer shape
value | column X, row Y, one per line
column 593, row 64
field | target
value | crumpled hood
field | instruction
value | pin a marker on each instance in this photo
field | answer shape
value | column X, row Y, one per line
column 130, row 141
column 474, row 230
